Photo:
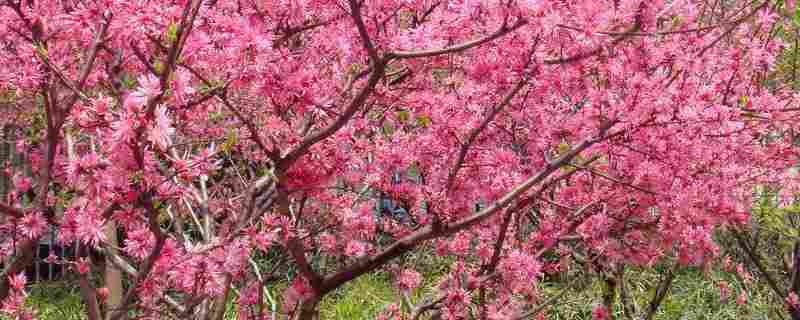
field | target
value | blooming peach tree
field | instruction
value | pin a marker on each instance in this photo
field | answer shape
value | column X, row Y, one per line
column 181, row 139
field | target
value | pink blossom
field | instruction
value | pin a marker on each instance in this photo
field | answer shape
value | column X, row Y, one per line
column 32, row 225
column 22, row 183
column 296, row 292
column 746, row 276
column 599, row 312
column 273, row 124
column 391, row 312
column 102, row 293
column 265, row 239
column 742, row 298
column 356, row 248
column 520, row 271
column 82, row 265
column 124, row 129
column 161, row 132
column 139, row 243
column 148, row 87
column 456, row 301
column 727, row 264
column 89, row 228
column 724, row 291
column 409, row 280
column 328, row 242
column 460, row 244
column 18, row 281
column 792, row 300
column 51, row 258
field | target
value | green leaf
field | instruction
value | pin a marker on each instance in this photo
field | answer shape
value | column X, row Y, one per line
column 231, row 140
column 128, row 81
column 423, row 120
column 172, row 33
column 403, row 116
column 40, row 50
column 388, row 128
column 158, row 66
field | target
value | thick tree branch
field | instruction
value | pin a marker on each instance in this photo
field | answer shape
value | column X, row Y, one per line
column 629, row 308
column 88, row 291
column 409, row 242
column 661, row 293
column 755, row 258
column 89, row 295
column 795, row 274
column 355, row 12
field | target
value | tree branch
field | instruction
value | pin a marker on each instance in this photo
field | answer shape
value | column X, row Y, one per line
column 357, row 102
column 378, row 66
column 533, row 313
column 612, row 179
column 661, row 293
column 755, row 258
column 89, row 64
column 11, row 211
column 355, row 12
column 419, row 310
column 126, row 267
column 473, row 134
column 409, row 242
column 629, row 307
column 88, row 292
column 504, row 29
column 593, row 52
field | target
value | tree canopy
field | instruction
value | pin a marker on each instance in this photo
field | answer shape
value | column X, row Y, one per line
column 184, row 138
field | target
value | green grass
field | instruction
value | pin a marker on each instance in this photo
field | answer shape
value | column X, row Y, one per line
column 55, row 301
column 694, row 295
column 363, row 298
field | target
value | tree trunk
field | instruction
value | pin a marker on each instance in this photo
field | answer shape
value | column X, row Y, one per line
column 795, row 280
column 113, row 276
column 609, row 293
column 307, row 310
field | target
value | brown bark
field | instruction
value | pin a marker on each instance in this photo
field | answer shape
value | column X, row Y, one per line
column 609, row 293
column 113, row 276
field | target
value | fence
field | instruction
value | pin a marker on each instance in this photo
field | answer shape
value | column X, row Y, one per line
column 40, row 270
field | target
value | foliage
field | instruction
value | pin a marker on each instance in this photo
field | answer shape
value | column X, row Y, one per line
column 56, row 301
column 694, row 295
